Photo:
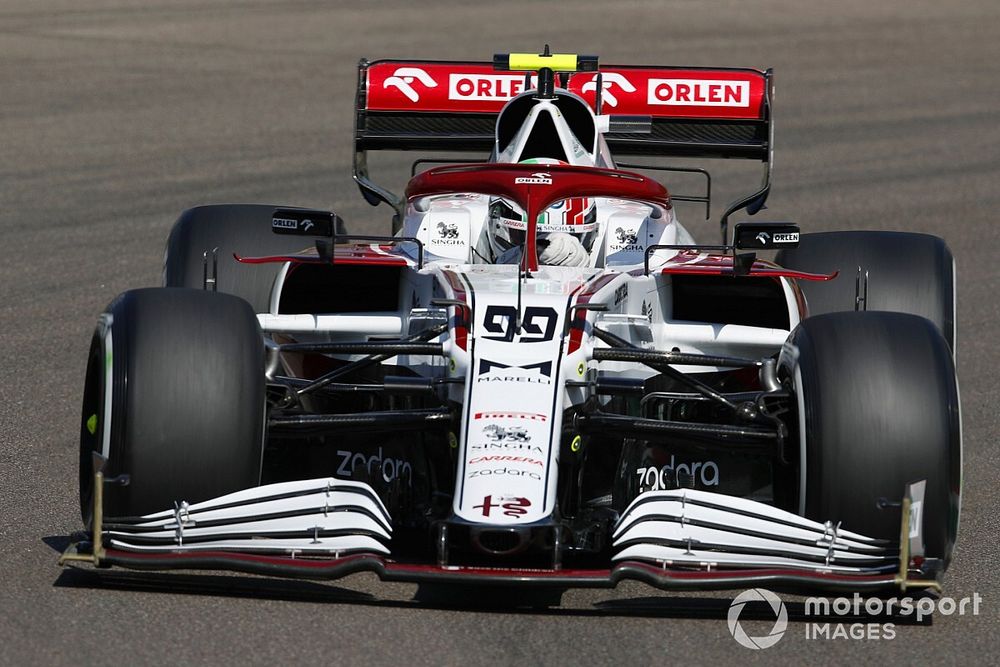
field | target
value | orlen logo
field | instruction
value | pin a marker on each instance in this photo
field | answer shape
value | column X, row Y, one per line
column 484, row 86
column 538, row 178
column 284, row 223
column 696, row 92
column 607, row 82
column 404, row 76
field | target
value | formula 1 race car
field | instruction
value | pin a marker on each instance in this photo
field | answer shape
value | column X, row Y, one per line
column 539, row 378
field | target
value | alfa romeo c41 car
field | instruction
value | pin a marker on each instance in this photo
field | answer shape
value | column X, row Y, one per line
column 539, row 378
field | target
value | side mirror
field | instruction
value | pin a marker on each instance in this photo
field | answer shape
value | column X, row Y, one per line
column 766, row 235
column 305, row 222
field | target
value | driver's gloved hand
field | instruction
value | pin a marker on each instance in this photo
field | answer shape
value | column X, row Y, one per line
column 561, row 249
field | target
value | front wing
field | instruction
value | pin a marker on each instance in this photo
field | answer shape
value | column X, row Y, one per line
column 672, row 540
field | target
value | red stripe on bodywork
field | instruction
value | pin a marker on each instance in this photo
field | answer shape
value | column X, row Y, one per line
column 690, row 262
column 355, row 254
column 460, row 331
column 580, row 317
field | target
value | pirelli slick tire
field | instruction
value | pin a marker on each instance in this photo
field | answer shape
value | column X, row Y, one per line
column 907, row 273
column 174, row 398
column 244, row 229
column 878, row 408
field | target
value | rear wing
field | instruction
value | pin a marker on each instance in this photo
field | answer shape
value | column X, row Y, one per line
column 453, row 106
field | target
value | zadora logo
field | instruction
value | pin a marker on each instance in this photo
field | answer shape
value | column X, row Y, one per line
column 389, row 469
column 675, row 475
column 777, row 630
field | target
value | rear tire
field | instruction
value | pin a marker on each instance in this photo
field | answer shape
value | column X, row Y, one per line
column 879, row 408
column 907, row 273
column 174, row 398
column 244, row 229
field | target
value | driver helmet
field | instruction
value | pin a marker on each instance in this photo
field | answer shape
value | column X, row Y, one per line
column 508, row 224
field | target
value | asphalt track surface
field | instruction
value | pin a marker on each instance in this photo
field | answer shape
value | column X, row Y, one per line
column 117, row 116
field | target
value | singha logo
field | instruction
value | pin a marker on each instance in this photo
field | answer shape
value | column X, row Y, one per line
column 627, row 241
column 498, row 433
column 448, row 230
column 626, row 237
column 447, row 234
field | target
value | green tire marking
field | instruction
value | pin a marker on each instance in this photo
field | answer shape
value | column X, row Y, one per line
column 92, row 424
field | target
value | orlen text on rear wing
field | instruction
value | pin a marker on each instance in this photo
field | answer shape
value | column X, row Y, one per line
column 453, row 106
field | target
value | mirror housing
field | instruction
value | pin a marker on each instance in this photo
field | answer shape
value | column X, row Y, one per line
column 766, row 235
column 306, row 222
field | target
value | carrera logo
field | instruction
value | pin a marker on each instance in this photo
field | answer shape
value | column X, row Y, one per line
column 507, row 458
column 538, row 178
column 493, row 87
column 695, row 92
column 533, row 416
column 403, row 77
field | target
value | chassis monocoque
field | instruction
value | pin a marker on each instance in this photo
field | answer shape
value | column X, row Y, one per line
column 691, row 416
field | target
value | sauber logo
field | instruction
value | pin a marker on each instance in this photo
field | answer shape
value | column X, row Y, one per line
column 404, row 76
column 496, row 87
column 538, row 178
column 695, row 92
column 608, row 81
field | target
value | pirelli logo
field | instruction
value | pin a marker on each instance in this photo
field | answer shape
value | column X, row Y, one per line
column 697, row 92
column 530, row 416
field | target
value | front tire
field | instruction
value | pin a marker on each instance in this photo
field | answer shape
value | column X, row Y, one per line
column 174, row 398
column 879, row 408
column 244, row 229
column 907, row 273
